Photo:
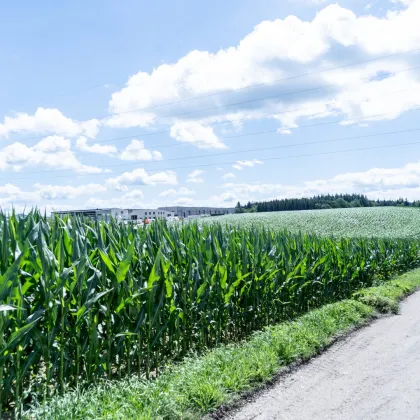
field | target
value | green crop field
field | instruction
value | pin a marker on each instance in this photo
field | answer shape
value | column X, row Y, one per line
column 82, row 300
column 380, row 222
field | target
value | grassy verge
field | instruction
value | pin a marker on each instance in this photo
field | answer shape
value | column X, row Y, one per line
column 201, row 384
column 386, row 297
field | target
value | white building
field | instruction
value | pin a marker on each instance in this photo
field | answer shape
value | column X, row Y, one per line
column 119, row 214
column 141, row 214
column 191, row 212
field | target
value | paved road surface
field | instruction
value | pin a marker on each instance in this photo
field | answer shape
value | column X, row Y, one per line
column 373, row 374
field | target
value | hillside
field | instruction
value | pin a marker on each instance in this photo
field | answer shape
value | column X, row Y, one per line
column 384, row 222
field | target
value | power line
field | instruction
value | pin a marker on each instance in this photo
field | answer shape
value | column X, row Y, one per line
column 276, row 80
column 369, row 79
column 251, row 86
column 264, row 132
column 252, row 150
column 254, row 100
column 275, row 147
column 271, row 114
column 233, row 162
column 295, row 144
column 313, row 125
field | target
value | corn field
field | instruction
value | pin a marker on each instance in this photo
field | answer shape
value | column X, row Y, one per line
column 82, row 300
column 366, row 222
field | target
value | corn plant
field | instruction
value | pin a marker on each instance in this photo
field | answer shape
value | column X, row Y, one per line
column 82, row 300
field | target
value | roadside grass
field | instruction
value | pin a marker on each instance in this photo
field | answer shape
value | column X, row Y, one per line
column 385, row 298
column 201, row 384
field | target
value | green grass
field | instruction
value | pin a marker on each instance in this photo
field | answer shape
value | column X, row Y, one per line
column 386, row 297
column 201, row 384
column 380, row 222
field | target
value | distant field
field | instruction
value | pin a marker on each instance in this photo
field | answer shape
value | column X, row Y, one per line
column 384, row 222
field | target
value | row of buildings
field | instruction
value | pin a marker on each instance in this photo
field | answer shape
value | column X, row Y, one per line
column 141, row 214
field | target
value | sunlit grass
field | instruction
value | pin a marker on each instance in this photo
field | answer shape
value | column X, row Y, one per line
column 379, row 222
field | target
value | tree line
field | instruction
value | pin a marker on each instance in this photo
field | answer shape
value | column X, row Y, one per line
column 318, row 202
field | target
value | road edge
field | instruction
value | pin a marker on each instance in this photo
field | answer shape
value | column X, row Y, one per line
column 385, row 301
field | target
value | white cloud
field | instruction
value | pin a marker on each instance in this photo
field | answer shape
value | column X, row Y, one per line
column 404, row 2
column 256, row 188
column 141, row 177
column 285, row 131
column 375, row 183
column 9, row 189
column 50, row 152
column 375, row 179
column 134, row 195
column 131, row 199
column 197, row 134
column 225, row 199
column 229, row 175
column 136, row 151
column 11, row 196
column 278, row 49
column 240, row 164
column 194, row 177
column 173, row 192
column 82, row 144
column 48, row 120
column 53, row 192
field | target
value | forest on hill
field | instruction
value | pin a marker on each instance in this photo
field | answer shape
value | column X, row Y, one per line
column 319, row 202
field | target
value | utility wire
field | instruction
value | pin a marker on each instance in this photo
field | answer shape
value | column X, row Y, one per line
column 367, row 117
column 251, row 86
column 274, row 81
column 232, row 162
column 368, row 79
column 251, row 150
column 260, row 149
column 252, row 100
column 271, row 114
column 242, row 151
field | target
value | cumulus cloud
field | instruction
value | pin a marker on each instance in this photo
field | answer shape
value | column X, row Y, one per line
column 229, row 175
column 82, row 144
column 241, row 164
column 371, row 181
column 50, row 152
column 131, row 199
column 45, row 196
column 133, row 195
column 180, row 191
column 136, row 151
column 194, row 177
column 48, row 120
column 53, row 192
column 375, row 183
column 404, row 2
column 272, row 51
column 197, row 134
column 225, row 199
column 10, row 195
column 141, row 177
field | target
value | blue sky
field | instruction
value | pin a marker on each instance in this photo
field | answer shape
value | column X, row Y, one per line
column 132, row 104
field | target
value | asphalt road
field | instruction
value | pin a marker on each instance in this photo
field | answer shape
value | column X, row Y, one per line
column 373, row 374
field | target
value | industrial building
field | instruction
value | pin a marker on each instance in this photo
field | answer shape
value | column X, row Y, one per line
column 119, row 214
column 181, row 211
column 141, row 214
